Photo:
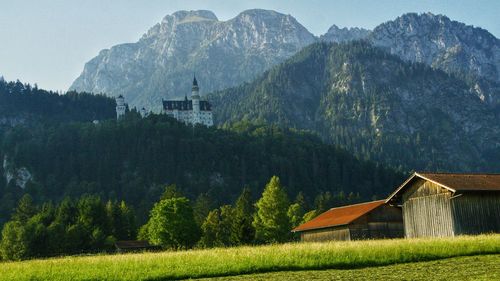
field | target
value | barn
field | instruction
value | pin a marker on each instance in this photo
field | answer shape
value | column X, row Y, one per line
column 445, row 204
column 369, row 220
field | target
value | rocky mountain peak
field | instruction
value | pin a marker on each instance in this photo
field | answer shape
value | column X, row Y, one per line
column 337, row 34
column 442, row 43
column 223, row 54
column 191, row 16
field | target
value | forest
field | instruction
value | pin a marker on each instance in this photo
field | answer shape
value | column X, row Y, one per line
column 72, row 172
column 133, row 159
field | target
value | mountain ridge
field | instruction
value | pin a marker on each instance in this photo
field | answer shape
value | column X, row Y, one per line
column 226, row 53
column 373, row 104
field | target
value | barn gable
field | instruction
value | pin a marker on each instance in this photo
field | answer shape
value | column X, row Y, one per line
column 444, row 204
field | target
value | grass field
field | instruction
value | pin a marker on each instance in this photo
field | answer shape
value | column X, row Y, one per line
column 360, row 255
column 477, row 268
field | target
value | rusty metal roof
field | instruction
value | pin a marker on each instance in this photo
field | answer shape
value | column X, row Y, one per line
column 456, row 182
column 339, row 216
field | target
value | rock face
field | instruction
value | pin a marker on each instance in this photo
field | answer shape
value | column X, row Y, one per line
column 375, row 105
column 221, row 53
column 337, row 35
column 437, row 41
column 227, row 53
column 442, row 43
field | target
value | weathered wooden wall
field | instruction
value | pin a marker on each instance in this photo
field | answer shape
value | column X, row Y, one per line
column 427, row 210
column 476, row 213
column 383, row 222
column 326, row 234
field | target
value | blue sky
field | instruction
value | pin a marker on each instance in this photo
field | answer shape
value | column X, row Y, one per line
column 48, row 41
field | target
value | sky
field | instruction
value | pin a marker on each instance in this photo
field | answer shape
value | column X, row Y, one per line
column 49, row 41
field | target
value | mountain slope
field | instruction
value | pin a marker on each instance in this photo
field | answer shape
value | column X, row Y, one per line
column 222, row 53
column 27, row 105
column 375, row 105
column 135, row 158
column 472, row 53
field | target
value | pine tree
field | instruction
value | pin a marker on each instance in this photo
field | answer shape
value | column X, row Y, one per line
column 271, row 220
column 202, row 207
column 226, row 221
column 209, row 229
column 295, row 214
column 243, row 232
column 25, row 209
column 171, row 191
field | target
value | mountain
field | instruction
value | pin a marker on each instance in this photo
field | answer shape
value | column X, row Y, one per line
column 338, row 35
column 227, row 53
column 470, row 52
column 221, row 53
column 374, row 104
column 442, row 43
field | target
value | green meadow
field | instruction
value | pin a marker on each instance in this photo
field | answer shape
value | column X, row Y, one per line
column 266, row 262
column 476, row 268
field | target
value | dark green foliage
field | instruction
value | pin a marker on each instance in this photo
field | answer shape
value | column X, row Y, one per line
column 134, row 159
column 171, row 191
column 172, row 225
column 25, row 104
column 217, row 229
column 243, row 231
column 87, row 225
column 202, row 206
column 209, row 230
column 25, row 209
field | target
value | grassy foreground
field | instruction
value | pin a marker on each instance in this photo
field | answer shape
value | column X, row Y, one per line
column 248, row 260
column 477, row 268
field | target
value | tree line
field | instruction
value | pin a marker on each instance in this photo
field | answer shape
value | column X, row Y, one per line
column 27, row 105
column 90, row 225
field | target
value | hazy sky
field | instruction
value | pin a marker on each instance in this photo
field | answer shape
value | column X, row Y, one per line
column 48, row 41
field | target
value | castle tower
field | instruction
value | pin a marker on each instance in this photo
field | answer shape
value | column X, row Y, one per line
column 143, row 112
column 196, row 101
column 120, row 107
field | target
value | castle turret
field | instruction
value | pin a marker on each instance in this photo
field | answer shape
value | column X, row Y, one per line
column 196, row 101
column 120, row 107
column 143, row 112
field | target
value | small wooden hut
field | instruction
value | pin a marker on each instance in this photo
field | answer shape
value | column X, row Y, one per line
column 371, row 220
column 444, row 204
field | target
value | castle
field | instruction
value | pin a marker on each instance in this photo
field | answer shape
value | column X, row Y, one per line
column 194, row 111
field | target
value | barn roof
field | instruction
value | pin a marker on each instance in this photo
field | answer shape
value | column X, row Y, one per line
column 455, row 182
column 339, row 216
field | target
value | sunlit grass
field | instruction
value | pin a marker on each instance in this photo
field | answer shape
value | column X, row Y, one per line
column 245, row 260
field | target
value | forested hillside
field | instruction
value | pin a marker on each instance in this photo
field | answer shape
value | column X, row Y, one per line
column 374, row 105
column 23, row 104
column 134, row 159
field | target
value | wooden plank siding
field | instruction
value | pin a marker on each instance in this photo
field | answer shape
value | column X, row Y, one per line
column 427, row 210
column 326, row 234
column 384, row 222
column 476, row 213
